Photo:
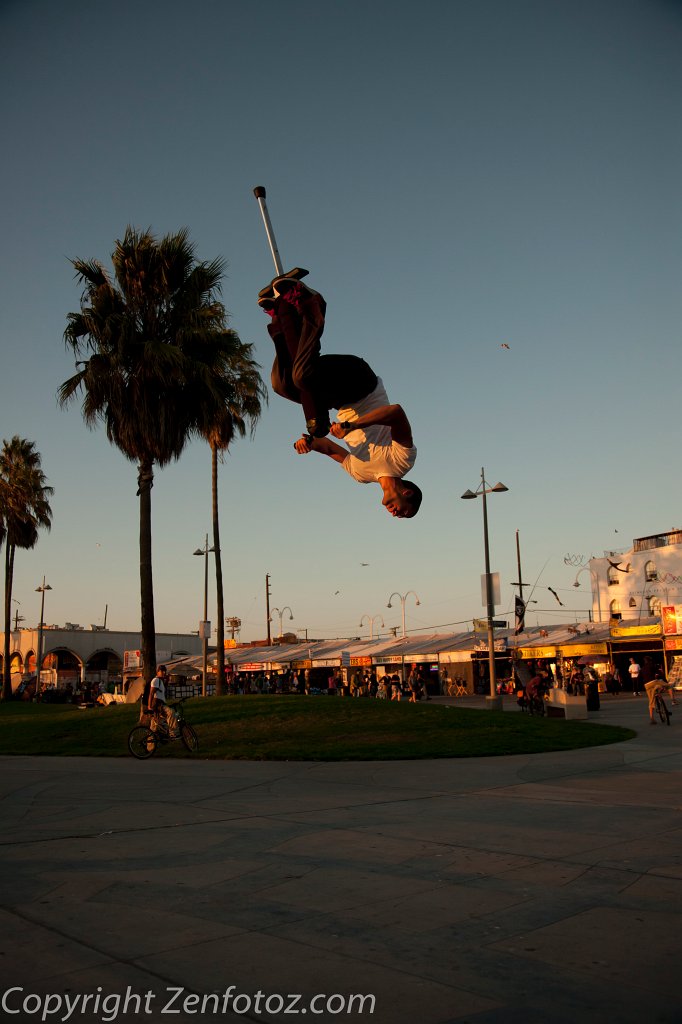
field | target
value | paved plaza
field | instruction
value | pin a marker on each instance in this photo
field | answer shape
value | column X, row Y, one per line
column 543, row 889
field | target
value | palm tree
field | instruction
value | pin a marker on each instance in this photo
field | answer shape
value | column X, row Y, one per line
column 24, row 509
column 152, row 336
column 239, row 404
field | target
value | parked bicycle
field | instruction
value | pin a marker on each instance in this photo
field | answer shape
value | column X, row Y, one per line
column 144, row 739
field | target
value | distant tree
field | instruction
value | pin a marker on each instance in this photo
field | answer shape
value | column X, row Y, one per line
column 238, row 405
column 24, row 509
column 153, row 336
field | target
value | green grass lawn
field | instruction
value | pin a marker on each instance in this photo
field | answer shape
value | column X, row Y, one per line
column 301, row 729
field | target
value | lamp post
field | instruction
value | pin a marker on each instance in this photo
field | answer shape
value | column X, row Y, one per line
column 205, row 628
column 40, row 590
column 281, row 616
column 403, row 599
column 495, row 701
column 371, row 620
column 596, row 589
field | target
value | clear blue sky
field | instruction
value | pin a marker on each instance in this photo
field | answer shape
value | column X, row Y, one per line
column 456, row 176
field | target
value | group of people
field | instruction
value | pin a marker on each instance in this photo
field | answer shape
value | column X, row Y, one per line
column 584, row 681
column 387, row 687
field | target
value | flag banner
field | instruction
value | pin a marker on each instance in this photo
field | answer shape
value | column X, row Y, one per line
column 520, row 613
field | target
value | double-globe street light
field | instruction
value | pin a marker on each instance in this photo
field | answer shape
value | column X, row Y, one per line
column 403, row 599
column 372, row 619
column 494, row 699
column 204, row 629
column 281, row 616
column 40, row 590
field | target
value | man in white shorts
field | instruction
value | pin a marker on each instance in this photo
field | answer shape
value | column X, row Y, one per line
column 378, row 434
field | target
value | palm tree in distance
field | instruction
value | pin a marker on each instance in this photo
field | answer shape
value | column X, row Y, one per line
column 151, row 339
column 221, row 424
column 24, row 509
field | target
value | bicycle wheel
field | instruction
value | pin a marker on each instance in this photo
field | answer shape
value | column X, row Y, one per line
column 189, row 737
column 141, row 742
column 663, row 712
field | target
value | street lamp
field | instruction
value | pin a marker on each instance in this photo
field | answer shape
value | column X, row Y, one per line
column 281, row 616
column 40, row 590
column 403, row 599
column 371, row 620
column 494, row 699
column 205, row 628
column 596, row 589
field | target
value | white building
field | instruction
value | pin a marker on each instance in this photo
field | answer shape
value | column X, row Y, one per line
column 635, row 583
column 73, row 655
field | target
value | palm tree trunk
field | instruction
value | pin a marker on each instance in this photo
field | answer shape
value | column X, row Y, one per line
column 220, row 610
column 6, row 652
column 145, row 482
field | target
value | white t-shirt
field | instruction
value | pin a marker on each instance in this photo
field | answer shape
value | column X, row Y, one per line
column 373, row 453
column 157, row 690
column 634, row 670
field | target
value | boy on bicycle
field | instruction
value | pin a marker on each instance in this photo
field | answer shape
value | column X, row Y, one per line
column 657, row 685
column 157, row 702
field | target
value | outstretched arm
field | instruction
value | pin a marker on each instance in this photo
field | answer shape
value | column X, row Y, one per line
column 306, row 444
column 392, row 416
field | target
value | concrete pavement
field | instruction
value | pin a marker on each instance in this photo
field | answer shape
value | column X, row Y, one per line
column 543, row 889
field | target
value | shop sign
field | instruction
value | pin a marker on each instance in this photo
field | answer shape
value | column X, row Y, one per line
column 498, row 645
column 132, row 659
column 389, row 659
column 301, row 664
column 671, row 619
column 673, row 643
column 536, row 652
column 648, row 630
column 410, row 658
column 249, row 666
column 455, row 657
column 363, row 659
column 579, row 650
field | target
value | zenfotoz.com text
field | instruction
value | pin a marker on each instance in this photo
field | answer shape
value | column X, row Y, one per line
column 174, row 1000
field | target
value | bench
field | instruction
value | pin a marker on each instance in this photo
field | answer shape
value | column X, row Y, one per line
column 563, row 705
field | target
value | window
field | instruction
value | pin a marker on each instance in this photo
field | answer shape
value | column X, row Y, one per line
column 650, row 573
column 612, row 576
column 632, row 603
column 654, row 606
column 614, row 609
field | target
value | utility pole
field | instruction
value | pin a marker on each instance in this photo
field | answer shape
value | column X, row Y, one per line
column 518, row 565
column 267, row 605
column 519, row 583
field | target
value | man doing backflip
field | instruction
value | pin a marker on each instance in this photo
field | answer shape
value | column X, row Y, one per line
column 378, row 434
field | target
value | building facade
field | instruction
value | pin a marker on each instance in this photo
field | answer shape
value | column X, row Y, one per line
column 72, row 655
column 634, row 584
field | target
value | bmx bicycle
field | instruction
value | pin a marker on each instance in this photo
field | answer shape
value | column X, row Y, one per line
column 143, row 740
